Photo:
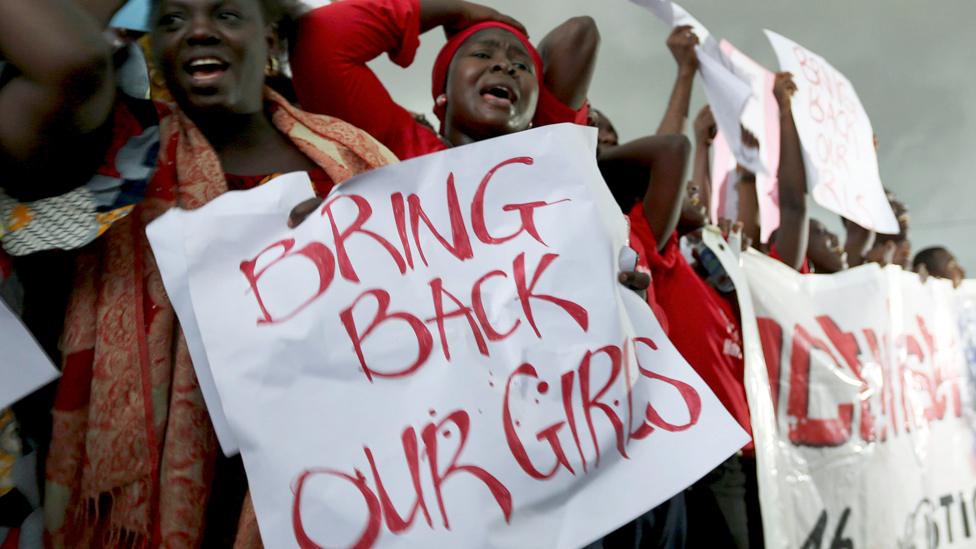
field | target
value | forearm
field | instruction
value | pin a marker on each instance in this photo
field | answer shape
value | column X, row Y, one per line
column 667, row 158
column 701, row 173
column 51, row 42
column 676, row 114
column 857, row 243
column 569, row 54
column 791, row 238
column 748, row 206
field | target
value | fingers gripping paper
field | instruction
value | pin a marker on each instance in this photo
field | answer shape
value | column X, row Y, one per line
column 838, row 142
column 441, row 356
column 727, row 93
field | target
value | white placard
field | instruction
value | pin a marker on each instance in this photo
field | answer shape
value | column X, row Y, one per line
column 838, row 142
column 441, row 356
column 166, row 236
column 24, row 367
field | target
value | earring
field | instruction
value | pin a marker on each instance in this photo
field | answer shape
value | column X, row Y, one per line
column 271, row 69
column 441, row 100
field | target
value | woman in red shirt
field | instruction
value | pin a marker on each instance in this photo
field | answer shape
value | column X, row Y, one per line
column 488, row 80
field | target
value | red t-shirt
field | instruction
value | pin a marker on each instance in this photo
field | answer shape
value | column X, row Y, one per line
column 331, row 77
column 702, row 325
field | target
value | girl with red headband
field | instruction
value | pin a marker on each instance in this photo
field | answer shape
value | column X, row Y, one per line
column 488, row 80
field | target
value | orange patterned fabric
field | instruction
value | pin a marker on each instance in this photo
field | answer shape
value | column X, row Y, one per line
column 133, row 449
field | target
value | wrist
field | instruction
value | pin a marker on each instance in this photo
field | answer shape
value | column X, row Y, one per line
column 687, row 70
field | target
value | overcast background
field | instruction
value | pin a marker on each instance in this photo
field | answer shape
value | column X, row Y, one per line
column 911, row 62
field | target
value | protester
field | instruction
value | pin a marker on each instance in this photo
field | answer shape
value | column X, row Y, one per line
column 147, row 459
column 488, row 80
column 940, row 263
column 824, row 251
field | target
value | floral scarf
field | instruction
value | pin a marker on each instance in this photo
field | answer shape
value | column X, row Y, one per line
column 133, row 449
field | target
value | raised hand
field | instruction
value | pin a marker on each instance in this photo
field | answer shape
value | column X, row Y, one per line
column 705, row 127
column 783, row 90
column 682, row 42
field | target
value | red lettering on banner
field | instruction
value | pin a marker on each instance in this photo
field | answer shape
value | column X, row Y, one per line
column 461, row 246
column 478, row 305
column 316, row 253
column 394, row 522
column 589, row 403
column 526, row 211
column 938, row 396
column 498, row 490
column 437, row 292
column 381, row 507
column 346, row 268
column 527, row 293
column 400, row 218
column 425, row 342
column 887, row 404
column 808, row 431
column 771, row 338
column 550, row 434
column 846, row 345
column 652, row 418
column 374, row 514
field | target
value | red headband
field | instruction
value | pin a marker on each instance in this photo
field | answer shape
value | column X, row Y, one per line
column 446, row 55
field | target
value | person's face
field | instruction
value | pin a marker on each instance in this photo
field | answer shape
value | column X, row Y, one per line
column 212, row 53
column 824, row 249
column 946, row 266
column 492, row 88
column 694, row 209
column 606, row 134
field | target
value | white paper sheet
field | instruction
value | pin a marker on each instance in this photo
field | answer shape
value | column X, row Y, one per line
column 280, row 312
column 24, row 367
column 166, row 236
column 838, row 142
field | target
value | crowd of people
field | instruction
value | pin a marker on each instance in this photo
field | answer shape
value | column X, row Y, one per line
column 103, row 130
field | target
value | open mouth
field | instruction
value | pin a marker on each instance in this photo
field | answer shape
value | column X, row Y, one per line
column 204, row 70
column 500, row 95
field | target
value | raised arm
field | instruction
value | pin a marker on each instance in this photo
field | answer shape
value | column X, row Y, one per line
column 745, row 189
column 335, row 42
column 63, row 91
column 657, row 163
column 681, row 42
column 705, row 132
column 791, row 237
column 569, row 56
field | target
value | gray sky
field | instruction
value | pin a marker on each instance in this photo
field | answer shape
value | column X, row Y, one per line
column 912, row 64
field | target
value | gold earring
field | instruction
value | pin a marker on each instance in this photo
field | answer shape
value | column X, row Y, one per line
column 271, row 69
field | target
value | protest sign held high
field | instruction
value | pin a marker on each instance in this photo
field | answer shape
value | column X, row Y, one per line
column 838, row 142
column 442, row 355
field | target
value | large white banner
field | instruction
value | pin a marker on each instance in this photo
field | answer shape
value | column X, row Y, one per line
column 869, row 443
column 838, row 142
column 441, row 354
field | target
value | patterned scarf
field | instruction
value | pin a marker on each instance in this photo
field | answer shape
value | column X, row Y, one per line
column 133, row 449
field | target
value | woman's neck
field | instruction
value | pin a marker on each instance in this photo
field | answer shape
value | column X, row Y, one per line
column 236, row 130
column 249, row 144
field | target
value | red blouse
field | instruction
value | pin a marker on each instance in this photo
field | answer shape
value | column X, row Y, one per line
column 331, row 76
column 702, row 325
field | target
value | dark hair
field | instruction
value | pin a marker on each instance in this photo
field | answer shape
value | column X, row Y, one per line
column 928, row 256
